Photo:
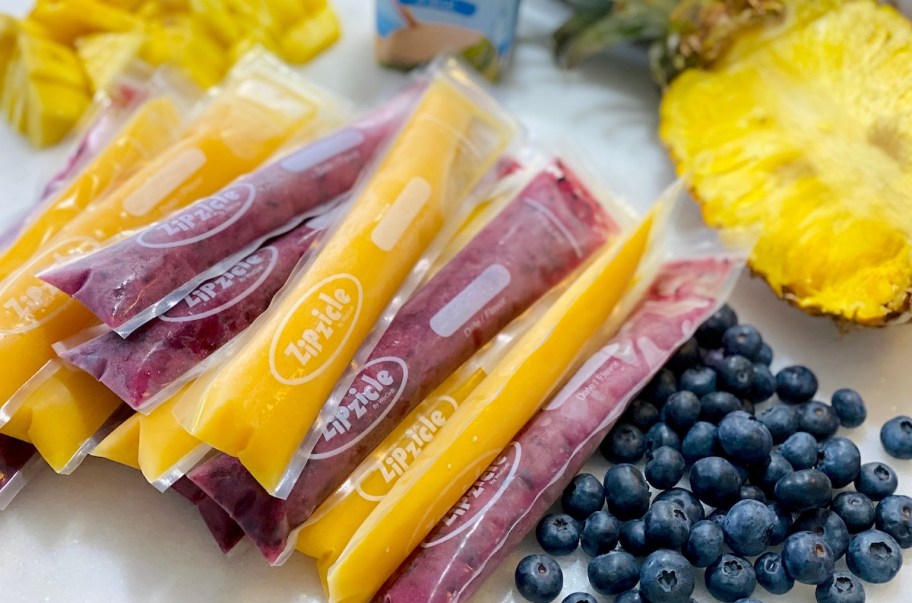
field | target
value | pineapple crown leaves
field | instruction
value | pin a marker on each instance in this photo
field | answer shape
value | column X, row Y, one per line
column 682, row 33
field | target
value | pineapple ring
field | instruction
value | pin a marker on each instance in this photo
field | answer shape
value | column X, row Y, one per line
column 805, row 129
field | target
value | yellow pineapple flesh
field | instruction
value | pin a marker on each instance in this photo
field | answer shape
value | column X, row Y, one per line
column 804, row 129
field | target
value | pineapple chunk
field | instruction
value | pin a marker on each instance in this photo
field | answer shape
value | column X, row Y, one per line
column 66, row 20
column 106, row 55
column 182, row 42
column 804, row 129
column 53, row 108
column 312, row 35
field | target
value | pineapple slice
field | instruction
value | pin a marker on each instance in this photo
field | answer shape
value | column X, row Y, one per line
column 106, row 55
column 804, row 129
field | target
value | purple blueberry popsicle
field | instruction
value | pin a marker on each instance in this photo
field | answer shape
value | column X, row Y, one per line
column 131, row 281
column 153, row 362
column 520, row 486
column 536, row 240
column 225, row 531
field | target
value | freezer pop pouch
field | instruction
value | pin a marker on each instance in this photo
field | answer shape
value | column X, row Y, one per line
column 64, row 412
column 133, row 280
column 151, row 364
column 535, row 240
column 493, row 413
column 241, row 127
column 261, row 401
column 19, row 462
column 226, row 533
column 519, row 487
column 102, row 160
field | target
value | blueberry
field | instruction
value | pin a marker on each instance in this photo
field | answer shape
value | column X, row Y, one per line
column 687, row 356
column 783, row 525
column 842, row 587
column 874, row 556
column 743, row 473
column 641, row 415
column 730, row 578
column 539, row 578
column 713, row 358
column 718, row 517
column 803, row 490
column 579, row 598
column 840, row 460
column 667, row 525
column 599, row 534
column 765, row 355
column 558, row 534
column 704, row 544
column 709, row 334
column 627, row 492
column 767, row 477
column 684, row 499
column 818, row 419
column 855, row 509
column 764, row 384
column 699, row 380
column 633, row 538
column 796, row 384
column 748, row 526
column 631, row 596
column 894, row 516
column 827, row 524
column 808, row 558
column 771, row 574
column 583, row 496
column 745, row 439
column 700, row 442
column 682, row 410
column 782, row 422
column 896, row 437
column 715, row 481
column 849, row 407
column 661, row 386
column 800, row 450
column 613, row 573
column 664, row 467
column 716, row 405
column 666, row 577
column 660, row 435
column 624, row 444
column 742, row 340
column 736, row 375
column 876, row 480
column 751, row 492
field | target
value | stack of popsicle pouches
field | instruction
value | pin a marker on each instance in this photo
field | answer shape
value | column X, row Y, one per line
column 155, row 165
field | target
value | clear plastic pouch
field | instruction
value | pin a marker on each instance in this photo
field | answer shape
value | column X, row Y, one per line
column 696, row 275
column 260, row 403
column 128, row 283
column 493, row 413
column 154, row 362
column 241, row 126
column 19, row 462
column 535, row 230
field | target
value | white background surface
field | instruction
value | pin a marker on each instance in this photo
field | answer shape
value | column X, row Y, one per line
column 103, row 534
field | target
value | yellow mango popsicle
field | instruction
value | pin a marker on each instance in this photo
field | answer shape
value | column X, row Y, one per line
column 326, row 534
column 61, row 413
column 122, row 444
column 485, row 423
column 153, row 127
column 259, row 405
column 241, row 128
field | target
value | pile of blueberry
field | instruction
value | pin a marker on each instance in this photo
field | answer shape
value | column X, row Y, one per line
column 769, row 480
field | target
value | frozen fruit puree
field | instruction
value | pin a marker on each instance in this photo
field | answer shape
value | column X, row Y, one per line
column 153, row 362
column 18, row 460
column 260, row 403
column 154, row 126
column 539, row 237
column 518, row 488
column 239, row 129
column 131, row 281
column 226, row 533
column 486, row 422
column 61, row 411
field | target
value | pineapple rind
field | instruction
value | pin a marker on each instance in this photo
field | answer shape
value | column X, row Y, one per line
column 808, row 134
